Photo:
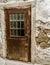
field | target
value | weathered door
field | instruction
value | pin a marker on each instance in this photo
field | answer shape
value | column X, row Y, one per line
column 18, row 34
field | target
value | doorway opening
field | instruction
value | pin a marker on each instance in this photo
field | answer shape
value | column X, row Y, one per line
column 18, row 34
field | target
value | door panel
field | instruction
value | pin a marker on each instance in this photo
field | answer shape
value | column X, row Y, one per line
column 18, row 34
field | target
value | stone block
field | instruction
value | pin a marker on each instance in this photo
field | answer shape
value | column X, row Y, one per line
column 44, row 45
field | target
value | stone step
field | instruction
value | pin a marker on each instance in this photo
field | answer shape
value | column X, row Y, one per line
column 12, row 62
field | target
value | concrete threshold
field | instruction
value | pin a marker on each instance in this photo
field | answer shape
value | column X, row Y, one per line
column 12, row 62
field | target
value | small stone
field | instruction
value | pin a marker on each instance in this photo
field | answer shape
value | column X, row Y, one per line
column 42, row 37
column 48, row 42
column 43, row 45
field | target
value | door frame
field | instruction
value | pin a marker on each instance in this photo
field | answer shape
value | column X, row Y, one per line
column 29, row 17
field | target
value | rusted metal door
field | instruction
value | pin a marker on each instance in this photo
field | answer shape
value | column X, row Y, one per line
column 18, row 34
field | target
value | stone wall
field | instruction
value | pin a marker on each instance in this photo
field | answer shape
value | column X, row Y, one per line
column 42, row 44
column 42, row 31
column 43, row 34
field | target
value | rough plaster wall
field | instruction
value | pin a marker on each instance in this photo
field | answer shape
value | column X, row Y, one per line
column 43, row 31
column 0, row 35
column 33, row 42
